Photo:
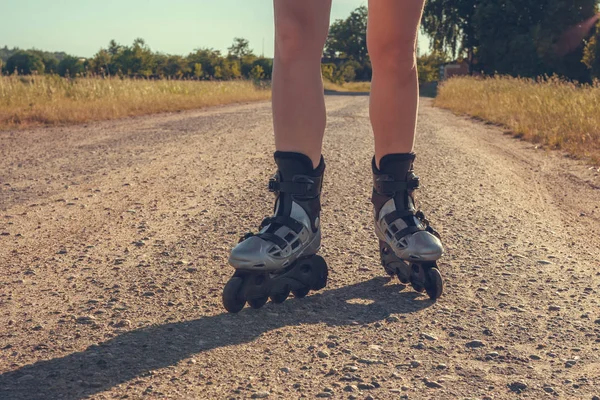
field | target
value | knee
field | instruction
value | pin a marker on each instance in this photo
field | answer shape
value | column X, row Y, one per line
column 393, row 56
column 295, row 42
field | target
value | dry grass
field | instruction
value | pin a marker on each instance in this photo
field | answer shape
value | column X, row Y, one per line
column 362, row 87
column 555, row 113
column 50, row 100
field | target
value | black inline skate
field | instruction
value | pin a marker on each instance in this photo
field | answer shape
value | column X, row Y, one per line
column 281, row 258
column 409, row 247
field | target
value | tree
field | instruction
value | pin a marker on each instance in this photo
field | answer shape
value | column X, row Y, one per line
column 517, row 37
column 135, row 61
column 591, row 56
column 101, row 63
column 429, row 66
column 347, row 39
column 25, row 63
column 71, row 67
column 240, row 48
column 257, row 73
column 450, row 25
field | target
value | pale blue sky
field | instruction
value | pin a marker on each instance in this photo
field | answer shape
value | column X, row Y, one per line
column 82, row 27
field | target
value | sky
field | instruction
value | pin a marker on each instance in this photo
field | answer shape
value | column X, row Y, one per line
column 82, row 27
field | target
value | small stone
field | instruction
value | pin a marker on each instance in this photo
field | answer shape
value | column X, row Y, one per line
column 285, row 370
column 369, row 361
column 351, row 368
column 433, row 384
column 62, row 251
column 475, row 344
column 597, row 321
column 554, row 308
column 570, row 363
column 428, row 337
column 393, row 319
column 124, row 323
column 517, row 387
column 535, row 357
column 548, row 389
column 442, row 366
column 492, row 354
column 323, row 354
column 369, row 397
column 415, row 364
column 260, row 395
column 350, row 388
column 324, row 394
column 596, row 398
column 544, row 262
column 85, row 319
column 366, row 386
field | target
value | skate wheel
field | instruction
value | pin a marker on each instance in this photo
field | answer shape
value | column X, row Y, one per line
column 278, row 298
column 300, row 293
column 258, row 303
column 320, row 273
column 417, row 280
column 435, row 283
column 231, row 300
column 417, row 287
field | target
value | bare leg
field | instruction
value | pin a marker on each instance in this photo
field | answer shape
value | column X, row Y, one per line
column 392, row 40
column 298, row 103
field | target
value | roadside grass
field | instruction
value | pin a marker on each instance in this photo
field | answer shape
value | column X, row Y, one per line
column 549, row 111
column 27, row 101
column 359, row 87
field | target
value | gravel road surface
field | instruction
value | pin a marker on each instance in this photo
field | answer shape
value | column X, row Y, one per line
column 114, row 239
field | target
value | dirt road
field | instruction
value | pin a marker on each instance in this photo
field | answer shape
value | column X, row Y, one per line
column 115, row 236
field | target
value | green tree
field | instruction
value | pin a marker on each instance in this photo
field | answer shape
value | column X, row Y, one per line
column 517, row 37
column 347, row 39
column 101, row 63
column 172, row 66
column 136, row 60
column 266, row 64
column 240, row 48
column 209, row 59
column 449, row 23
column 591, row 56
column 429, row 66
column 25, row 63
column 197, row 71
column 257, row 73
column 328, row 71
column 70, row 67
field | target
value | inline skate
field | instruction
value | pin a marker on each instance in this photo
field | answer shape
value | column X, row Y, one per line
column 282, row 257
column 408, row 246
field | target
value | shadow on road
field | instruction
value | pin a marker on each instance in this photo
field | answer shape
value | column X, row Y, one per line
column 136, row 353
column 336, row 93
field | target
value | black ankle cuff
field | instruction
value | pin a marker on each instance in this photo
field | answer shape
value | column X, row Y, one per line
column 392, row 159
column 303, row 160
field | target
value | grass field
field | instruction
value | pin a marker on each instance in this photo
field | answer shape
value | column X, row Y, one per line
column 362, row 87
column 50, row 100
column 552, row 112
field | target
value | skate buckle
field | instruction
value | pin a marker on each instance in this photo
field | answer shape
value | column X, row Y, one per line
column 274, row 185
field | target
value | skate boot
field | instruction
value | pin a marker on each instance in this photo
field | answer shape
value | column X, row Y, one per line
column 281, row 258
column 409, row 247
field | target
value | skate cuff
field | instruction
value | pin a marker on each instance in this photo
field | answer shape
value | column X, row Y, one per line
column 387, row 185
